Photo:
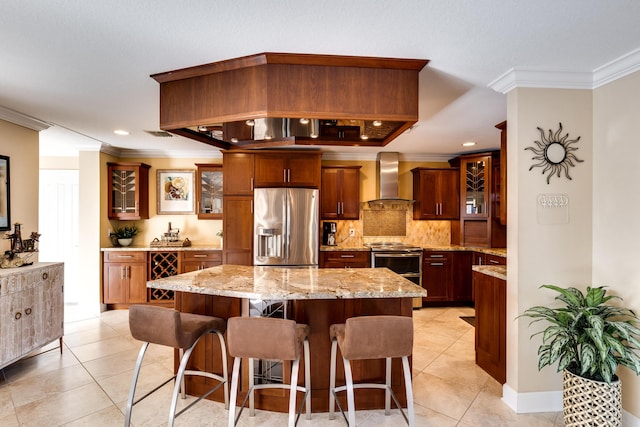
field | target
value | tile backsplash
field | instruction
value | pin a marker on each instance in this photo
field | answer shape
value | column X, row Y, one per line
column 419, row 233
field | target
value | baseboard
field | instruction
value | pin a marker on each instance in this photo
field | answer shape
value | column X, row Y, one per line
column 548, row 401
column 521, row 403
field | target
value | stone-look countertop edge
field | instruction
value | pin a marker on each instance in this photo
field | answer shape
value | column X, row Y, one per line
column 285, row 283
column 161, row 248
column 497, row 271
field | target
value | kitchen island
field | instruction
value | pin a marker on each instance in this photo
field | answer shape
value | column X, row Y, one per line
column 315, row 296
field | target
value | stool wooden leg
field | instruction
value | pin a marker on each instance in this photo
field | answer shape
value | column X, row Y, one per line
column 332, row 380
column 387, row 390
column 307, row 377
column 351, row 406
column 292, row 392
column 234, row 391
column 134, row 381
column 408, row 390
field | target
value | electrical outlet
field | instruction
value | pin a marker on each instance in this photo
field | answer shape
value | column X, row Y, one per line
column 352, row 232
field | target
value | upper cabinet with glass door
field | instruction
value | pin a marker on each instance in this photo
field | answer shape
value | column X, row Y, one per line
column 128, row 190
column 209, row 191
column 475, row 186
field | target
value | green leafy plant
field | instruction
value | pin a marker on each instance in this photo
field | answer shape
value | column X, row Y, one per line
column 126, row 232
column 587, row 336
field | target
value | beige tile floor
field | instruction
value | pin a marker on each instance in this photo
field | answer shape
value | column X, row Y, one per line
column 87, row 385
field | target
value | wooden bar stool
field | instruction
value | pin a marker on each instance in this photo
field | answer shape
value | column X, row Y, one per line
column 165, row 326
column 269, row 338
column 371, row 337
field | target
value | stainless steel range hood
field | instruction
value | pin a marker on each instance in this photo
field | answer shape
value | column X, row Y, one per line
column 387, row 184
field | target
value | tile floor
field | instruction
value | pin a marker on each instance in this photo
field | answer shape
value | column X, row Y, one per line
column 88, row 384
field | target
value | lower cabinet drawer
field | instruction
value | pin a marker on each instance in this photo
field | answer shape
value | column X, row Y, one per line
column 202, row 256
column 344, row 259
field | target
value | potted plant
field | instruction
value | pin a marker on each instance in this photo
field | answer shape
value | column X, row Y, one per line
column 219, row 234
column 589, row 339
column 125, row 234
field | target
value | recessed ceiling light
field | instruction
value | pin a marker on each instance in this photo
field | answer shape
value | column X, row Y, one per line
column 234, row 140
column 121, row 132
column 364, row 137
column 468, row 144
column 377, row 123
column 304, row 121
column 250, row 122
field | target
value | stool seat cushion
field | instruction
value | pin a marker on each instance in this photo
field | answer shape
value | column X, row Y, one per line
column 165, row 326
column 266, row 338
column 374, row 337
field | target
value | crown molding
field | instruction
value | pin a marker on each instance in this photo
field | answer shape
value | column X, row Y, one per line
column 23, row 120
column 568, row 79
column 161, row 154
column 616, row 69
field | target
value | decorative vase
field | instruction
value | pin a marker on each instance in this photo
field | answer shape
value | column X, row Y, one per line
column 588, row 402
column 125, row 242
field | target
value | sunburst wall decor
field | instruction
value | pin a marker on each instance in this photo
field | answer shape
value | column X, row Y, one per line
column 554, row 153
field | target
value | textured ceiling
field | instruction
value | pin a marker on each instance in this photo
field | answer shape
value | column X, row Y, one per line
column 84, row 66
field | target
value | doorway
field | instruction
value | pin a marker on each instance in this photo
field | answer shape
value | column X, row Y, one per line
column 58, row 225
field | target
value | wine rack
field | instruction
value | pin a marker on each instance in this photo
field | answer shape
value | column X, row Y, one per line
column 162, row 264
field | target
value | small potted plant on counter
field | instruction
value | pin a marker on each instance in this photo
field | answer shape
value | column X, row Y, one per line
column 589, row 339
column 125, row 234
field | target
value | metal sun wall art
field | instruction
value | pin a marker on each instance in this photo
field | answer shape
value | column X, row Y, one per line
column 554, row 153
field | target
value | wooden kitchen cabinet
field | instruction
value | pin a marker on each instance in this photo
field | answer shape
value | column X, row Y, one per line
column 209, row 191
column 345, row 259
column 478, row 224
column 237, row 169
column 199, row 260
column 502, row 201
column 462, row 286
column 128, row 192
column 31, row 309
column 480, row 258
column 238, row 230
column 340, row 193
column 436, row 193
column 436, row 276
column 124, row 278
column 490, row 328
column 287, row 169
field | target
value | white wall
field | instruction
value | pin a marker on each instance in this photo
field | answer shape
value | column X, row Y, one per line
column 616, row 228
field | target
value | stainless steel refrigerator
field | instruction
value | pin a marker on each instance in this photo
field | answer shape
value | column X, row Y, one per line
column 285, row 226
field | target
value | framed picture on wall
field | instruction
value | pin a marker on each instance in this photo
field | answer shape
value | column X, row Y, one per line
column 175, row 192
column 5, row 205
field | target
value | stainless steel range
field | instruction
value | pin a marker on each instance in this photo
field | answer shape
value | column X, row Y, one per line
column 403, row 259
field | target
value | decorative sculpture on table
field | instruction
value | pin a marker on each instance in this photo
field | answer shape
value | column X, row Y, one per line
column 21, row 250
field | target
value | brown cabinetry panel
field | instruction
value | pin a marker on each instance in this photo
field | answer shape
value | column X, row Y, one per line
column 199, row 260
column 340, row 192
column 436, row 193
column 237, row 169
column 345, row 259
column 490, row 328
column 436, row 276
column 462, row 282
column 287, row 170
column 238, row 230
column 125, row 277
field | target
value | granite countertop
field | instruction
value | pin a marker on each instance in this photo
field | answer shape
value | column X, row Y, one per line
column 498, row 271
column 492, row 251
column 161, row 248
column 292, row 283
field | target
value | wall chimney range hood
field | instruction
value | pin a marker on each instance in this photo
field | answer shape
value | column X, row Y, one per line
column 387, row 184
column 275, row 99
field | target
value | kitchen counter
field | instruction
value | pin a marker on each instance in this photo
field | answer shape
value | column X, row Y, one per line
column 491, row 251
column 291, row 283
column 497, row 271
column 148, row 248
column 314, row 296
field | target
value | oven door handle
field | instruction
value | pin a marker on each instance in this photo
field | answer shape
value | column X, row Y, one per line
column 396, row 254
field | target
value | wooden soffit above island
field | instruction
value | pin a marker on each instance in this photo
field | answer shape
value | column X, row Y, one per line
column 276, row 99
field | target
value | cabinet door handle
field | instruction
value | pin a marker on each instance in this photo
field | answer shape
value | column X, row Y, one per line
column 436, row 263
column 493, row 261
column 199, row 256
column 251, row 206
column 284, row 175
column 288, row 175
column 252, row 184
column 347, row 256
column 338, row 208
column 436, row 256
column 27, row 311
column 124, row 256
column 18, row 315
column 45, row 275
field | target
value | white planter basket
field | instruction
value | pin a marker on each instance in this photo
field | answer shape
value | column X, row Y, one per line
column 590, row 403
